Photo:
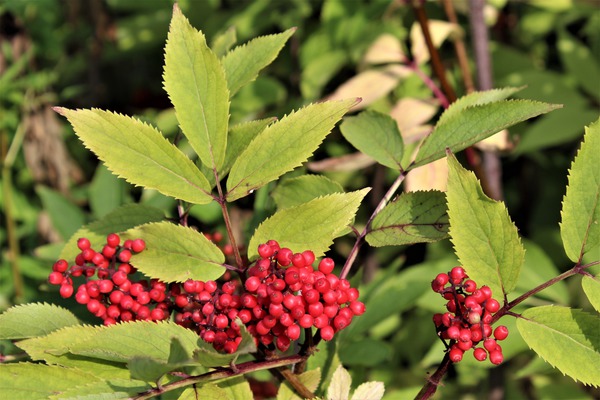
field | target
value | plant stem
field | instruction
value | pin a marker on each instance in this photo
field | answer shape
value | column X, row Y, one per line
column 222, row 373
column 434, row 381
column 460, row 49
column 223, row 203
column 577, row 269
column 360, row 239
column 436, row 61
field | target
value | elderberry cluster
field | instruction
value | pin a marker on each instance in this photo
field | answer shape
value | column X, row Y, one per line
column 468, row 320
column 281, row 294
column 109, row 291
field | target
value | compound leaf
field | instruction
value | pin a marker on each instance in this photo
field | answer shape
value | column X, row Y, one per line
column 485, row 239
column 567, row 339
column 35, row 319
column 195, row 81
column 176, row 253
column 295, row 191
column 37, row 381
column 139, row 153
column 376, row 135
column 413, row 217
column 243, row 63
column 475, row 123
column 117, row 221
column 580, row 226
column 283, row 145
column 312, row 225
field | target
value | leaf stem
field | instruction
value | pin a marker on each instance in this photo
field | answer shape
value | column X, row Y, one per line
column 223, row 203
column 221, row 373
column 360, row 239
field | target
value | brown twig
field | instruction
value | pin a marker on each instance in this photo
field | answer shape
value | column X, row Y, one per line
column 460, row 49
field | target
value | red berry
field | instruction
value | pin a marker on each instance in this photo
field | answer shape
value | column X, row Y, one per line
column 327, row 333
column 480, row 354
column 293, row 332
column 105, row 286
column 469, row 286
column 501, row 332
column 357, row 307
column 496, row 357
column 309, row 257
column 457, row 274
column 119, row 277
column 252, row 284
column 138, row 245
column 210, row 286
column 55, row 278
column 113, row 240
column 492, row 305
column 306, row 321
column 453, row 332
column 157, row 314
column 265, row 251
column 442, row 279
column 125, row 256
column 60, row 266
column 326, row 265
column 456, row 354
column 66, row 290
column 82, row 297
column 83, row 244
column 298, row 260
column 284, row 256
column 490, row 344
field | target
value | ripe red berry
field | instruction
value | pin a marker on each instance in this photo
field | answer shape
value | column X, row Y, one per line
column 66, row 290
column 298, row 260
column 456, row 354
column 138, row 245
column 309, row 257
column 284, row 256
column 60, row 266
column 113, row 240
column 83, row 244
column 496, row 357
column 480, row 354
column 125, row 256
column 357, row 307
column 252, row 284
column 501, row 332
column 265, row 251
column 327, row 333
column 293, row 332
column 326, row 265
column 56, row 278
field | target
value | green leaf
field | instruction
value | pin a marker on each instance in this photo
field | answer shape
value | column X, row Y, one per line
column 106, row 192
column 283, row 145
column 295, row 191
column 476, row 98
column 195, row 81
column 311, row 225
column 369, row 391
column 485, row 239
column 413, row 217
column 53, row 348
column 239, row 137
column 377, row 135
column 37, row 381
column 35, row 319
column 580, row 226
column 339, row 389
column 310, row 379
column 237, row 388
column 139, row 153
column 591, row 287
column 326, row 359
column 117, row 221
column 476, row 123
column 122, row 342
column 187, row 253
column 243, row 63
column 567, row 339
column 104, row 389
column 149, row 369
column 65, row 216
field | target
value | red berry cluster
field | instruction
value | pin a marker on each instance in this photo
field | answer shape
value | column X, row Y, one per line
column 282, row 295
column 468, row 320
column 109, row 291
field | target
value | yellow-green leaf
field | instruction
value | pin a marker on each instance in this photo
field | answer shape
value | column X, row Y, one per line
column 139, row 153
column 35, row 319
column 195, row 81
